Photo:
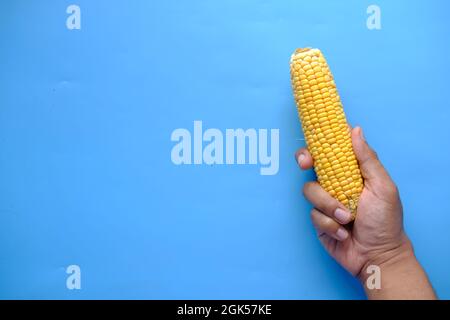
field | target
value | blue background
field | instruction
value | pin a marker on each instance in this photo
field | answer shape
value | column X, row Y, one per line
column 86, row 116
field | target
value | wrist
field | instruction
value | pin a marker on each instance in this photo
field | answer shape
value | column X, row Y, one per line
column 388, row 259
column 396, row 274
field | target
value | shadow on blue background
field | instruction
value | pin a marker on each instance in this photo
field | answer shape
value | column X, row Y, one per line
column 86, row 116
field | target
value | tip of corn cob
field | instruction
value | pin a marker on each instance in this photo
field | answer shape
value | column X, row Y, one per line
column 300, row 52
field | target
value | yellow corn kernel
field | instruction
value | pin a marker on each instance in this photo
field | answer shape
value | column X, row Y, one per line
column 325, row 127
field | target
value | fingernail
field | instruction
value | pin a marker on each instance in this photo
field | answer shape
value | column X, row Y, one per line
column 341, row 234
column 361, row 134
column 342, row 215
column 300, row 158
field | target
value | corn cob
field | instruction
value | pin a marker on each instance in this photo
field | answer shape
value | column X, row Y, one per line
column 325, row 127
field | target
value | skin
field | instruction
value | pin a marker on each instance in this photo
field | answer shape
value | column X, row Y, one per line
column 376, row 237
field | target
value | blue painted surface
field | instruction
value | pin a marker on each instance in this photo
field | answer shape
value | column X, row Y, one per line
column 86, row 116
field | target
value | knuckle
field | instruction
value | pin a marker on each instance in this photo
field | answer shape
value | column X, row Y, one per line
column 374, row 154
column 328, row 225
column 314, row 214
column 310, row 184
column 304, row 191
column 307, row 186
column 314, row 218
column 391, row 188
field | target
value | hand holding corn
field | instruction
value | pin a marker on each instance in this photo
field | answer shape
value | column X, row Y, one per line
column 377, row 237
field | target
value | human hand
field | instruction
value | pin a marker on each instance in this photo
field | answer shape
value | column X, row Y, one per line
column 376, row 237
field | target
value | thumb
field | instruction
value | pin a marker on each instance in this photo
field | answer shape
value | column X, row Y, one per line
column 371, row 168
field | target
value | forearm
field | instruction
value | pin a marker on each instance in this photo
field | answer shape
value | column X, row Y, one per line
column 402, row 277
